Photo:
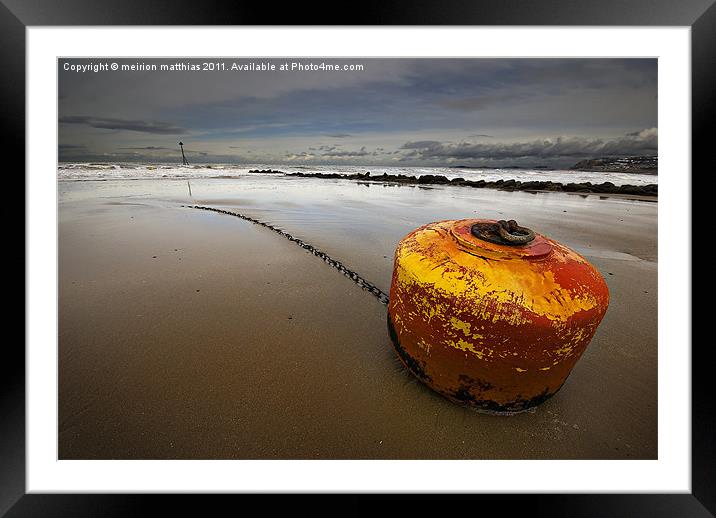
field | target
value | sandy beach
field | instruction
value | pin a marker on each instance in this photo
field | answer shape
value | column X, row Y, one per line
column 190, row 334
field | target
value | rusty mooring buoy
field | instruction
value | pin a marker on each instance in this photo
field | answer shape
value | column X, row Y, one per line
column 491, row 314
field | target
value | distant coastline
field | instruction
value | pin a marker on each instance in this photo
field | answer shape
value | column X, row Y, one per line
column 633, row 164
column 628, row 164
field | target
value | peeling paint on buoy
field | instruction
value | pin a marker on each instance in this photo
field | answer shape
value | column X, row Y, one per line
column 492, row 315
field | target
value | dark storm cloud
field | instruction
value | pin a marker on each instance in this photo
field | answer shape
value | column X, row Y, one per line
column 161, row 128
column 344, row 154
column 69, row 151
column 426, row 105
column 422, row 144
column 469, row 95
column 644, row 142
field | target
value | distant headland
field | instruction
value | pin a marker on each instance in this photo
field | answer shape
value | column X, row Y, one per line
column 632, row 164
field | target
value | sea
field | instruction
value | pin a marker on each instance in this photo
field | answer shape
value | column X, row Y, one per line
column 145, row 171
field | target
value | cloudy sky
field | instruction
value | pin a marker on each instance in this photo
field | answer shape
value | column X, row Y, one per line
column 402, row 112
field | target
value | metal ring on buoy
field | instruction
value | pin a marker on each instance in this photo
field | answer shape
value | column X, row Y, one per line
column 515, row 234
column 503, row 233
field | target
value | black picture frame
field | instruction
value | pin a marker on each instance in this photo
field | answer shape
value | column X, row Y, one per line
column 16, row 15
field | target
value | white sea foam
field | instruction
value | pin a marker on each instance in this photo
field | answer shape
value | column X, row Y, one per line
column 137, row 171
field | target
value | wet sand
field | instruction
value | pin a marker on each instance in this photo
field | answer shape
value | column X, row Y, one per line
column 190, row 334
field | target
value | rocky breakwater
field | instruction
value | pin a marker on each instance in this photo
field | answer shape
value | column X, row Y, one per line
column 504, row 185
column 265, row 171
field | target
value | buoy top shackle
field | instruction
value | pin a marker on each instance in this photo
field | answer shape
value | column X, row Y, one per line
column 503, row 233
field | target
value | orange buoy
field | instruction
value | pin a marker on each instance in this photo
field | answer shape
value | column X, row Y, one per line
column 491, row 314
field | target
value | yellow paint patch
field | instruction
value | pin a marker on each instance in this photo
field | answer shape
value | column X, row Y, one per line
column 466, row 346
column 498, row 287
column 460, row 325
